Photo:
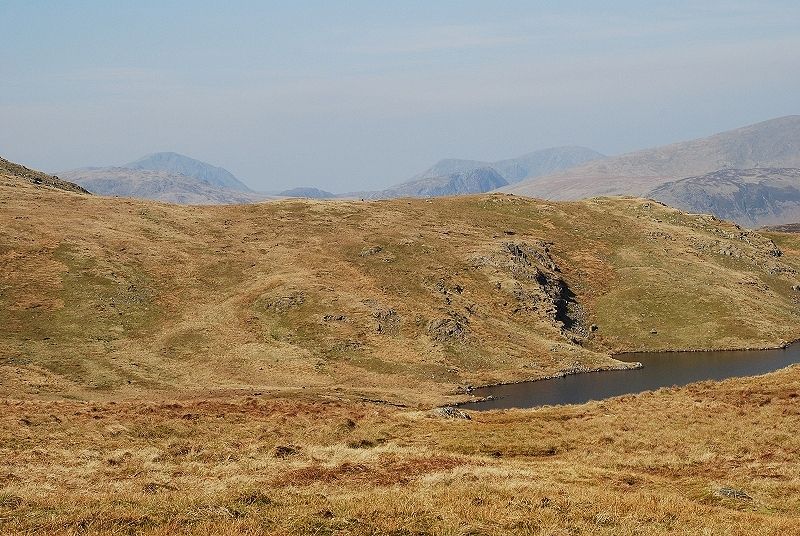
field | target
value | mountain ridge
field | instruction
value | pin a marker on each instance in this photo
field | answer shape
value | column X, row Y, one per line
column 166, row 176
column 191, row 167
column 308, row 192
column 157, row 185
column 15, row 171
column 750, row 197
column 773, row 143
column 532, row 164
column 470, row 181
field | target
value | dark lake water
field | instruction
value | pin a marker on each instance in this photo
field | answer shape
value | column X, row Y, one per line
column 661, row 369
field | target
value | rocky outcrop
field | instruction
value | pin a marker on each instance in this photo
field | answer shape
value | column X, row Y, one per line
column 536, row 286
column 733, row 241
column 449, row 329
column 10, row 169
column 451, row 413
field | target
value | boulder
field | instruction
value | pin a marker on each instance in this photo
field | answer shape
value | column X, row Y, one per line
column 451, row 413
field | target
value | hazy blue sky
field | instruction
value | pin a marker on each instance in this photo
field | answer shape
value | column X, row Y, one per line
column 350, row 95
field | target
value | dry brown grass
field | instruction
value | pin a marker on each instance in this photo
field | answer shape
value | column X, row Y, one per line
column 108, row 297
column 208, row 370
column 648, row 464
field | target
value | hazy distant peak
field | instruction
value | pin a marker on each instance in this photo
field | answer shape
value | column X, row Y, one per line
column 309, row 192
column 529, row 165
column 545, row 161
column 470, row 181
column 451, row 165
column 769, row 144
column 157, row 184
column 191, row 167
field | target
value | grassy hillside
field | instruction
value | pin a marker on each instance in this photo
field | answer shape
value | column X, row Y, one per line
column 226, row 370
column 409, row 300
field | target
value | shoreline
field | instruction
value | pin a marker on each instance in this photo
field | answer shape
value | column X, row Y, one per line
column 633, row 365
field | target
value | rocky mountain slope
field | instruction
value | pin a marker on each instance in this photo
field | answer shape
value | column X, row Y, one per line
column 14, row 173
column 179, row 164
column 513, row 170
column 750, row 197
column 458, row 183
column 770, row 144
column 543, row 162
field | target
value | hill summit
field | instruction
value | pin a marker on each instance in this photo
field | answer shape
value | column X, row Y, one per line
column 184, row 165
column 169, row 177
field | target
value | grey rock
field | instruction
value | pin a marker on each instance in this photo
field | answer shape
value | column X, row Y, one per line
column 372, row 250
column 734, row 494
column 451, row 413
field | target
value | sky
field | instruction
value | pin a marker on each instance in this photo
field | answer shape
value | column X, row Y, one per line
column 354, row 95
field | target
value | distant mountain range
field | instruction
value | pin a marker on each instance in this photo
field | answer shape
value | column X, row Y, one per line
column 784, row 228
column 310, row 193
column 513, row 170
column 158, row 185
column 456, row 183
column 770, row 144
column 749, row 197
column 169, row 177
column 457, row 177
column 748, row 175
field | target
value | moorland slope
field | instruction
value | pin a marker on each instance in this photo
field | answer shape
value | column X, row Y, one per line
column 174, row 369
column 411, row 300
